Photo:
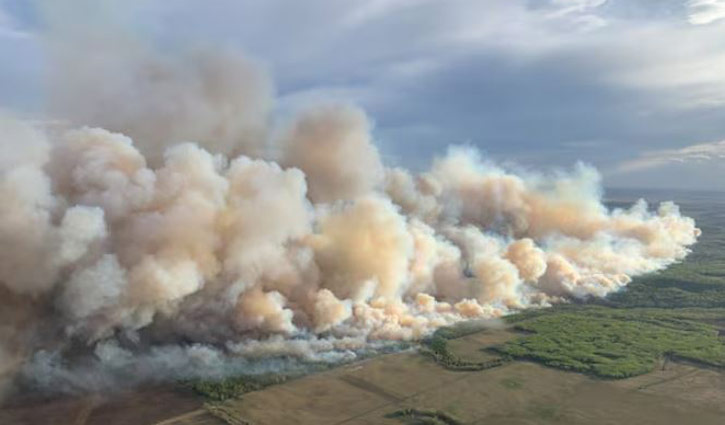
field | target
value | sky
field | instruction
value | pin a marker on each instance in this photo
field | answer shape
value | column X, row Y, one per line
column 634, row 87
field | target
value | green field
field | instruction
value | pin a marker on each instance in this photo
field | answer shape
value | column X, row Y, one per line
column 617, row 343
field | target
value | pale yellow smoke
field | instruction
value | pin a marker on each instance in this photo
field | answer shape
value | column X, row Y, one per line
column 363, row 250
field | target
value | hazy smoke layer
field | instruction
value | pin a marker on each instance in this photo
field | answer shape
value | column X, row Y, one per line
column 152, row 258
column 104, row 76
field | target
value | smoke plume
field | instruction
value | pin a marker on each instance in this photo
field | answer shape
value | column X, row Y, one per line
column 162, row 241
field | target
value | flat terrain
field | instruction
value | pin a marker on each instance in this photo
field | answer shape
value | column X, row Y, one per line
column 144, row 406
column 515, row 393
column 364, row 393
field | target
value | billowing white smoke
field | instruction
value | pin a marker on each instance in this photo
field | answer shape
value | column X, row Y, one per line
column 96, row 246
column 176, row 240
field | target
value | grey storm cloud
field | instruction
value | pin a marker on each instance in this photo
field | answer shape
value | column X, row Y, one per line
column 531, row 81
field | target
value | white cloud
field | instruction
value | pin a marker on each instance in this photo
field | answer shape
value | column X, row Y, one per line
column 565, row 7
column 577, row 14
column 683, row 64
column 703, row 12
column 694, row 153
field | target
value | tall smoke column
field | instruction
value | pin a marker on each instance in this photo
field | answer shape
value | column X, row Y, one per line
column 170, row 245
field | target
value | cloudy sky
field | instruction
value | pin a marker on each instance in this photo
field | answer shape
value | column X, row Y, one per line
column 635, row 87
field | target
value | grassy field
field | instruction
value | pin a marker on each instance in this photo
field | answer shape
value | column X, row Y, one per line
column 408, row 388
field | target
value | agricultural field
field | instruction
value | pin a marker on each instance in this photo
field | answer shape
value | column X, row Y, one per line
column 414, row 388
